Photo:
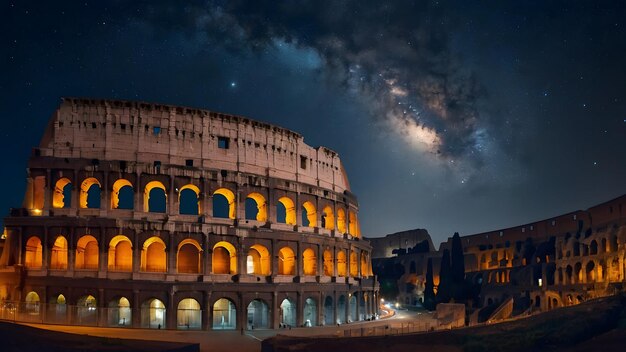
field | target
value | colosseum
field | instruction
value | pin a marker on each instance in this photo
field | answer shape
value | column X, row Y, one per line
column 156, row 216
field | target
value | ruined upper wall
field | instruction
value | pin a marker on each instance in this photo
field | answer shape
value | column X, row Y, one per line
column 144, row 133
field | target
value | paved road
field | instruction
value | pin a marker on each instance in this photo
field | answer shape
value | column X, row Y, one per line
column 230, row 340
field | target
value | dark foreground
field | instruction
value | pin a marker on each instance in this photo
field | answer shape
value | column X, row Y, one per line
column 596, row 325
column 15, row 337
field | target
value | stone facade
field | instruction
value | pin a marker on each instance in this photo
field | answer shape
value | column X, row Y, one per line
column 149, row 215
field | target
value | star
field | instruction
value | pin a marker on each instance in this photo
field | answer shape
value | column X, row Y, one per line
column 233, row 84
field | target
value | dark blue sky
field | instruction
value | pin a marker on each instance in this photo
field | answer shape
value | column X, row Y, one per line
column 451, row 116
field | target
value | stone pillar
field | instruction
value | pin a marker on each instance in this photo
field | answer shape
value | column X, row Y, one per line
column 206, row 256
column 48, row 191
column 320, row 261
column 45, row 250
column 335, row 307
column 71, row 250
column 299, row 260
column 206, row 310
column 75, row 192
column 172, row 251
column 171, row 313
column 274, row 253
column 274, row 312
column 138, row 193
column 241, row 258
column 136, row 310
column 358, row 296
column 335, row 262
column 102, row 311
column 320, row 309
column 137, row 248
column 172, row 199
column 105, row 202
column 103, row 255
column 299, row 309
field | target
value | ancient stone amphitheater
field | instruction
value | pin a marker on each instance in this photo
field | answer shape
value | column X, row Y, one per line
column 158, row 216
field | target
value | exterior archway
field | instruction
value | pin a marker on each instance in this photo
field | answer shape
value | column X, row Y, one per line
column 90, row 191
column 341, row 263
column 353, row 224
column 259, row 207
column 155, row 198
column 33, row 257
column 224, row 258
column 119, row 312
column 120, row 254
column 286, row 211
column 87, row 255
column 329, row 311
column 341, row 309
column 224, row 315
column 189, row 315
column 365, row 265
column 189, row 200
column 328, row 263
column 354, row 264
column 310, row 312
column 328, row 219
column 341, row 221
column 153, row 257
column 309, row 215
column 286, row 261
column 258, row 261
column 288, row 313
column 58, row 254
column 122, row 190
column 87, row 311
column 353, row 307
column 153, row 314
column 224, row 204
column 309, row 262
column 62, row 197
column 32, row 303
column 258, row 315
column 57, row 310
column 188, row 257
column 590, row 272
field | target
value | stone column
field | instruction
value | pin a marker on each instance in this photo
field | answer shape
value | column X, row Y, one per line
column 138, row 193
column 136, row 310
column 320, row 309
column 172, row 201
column 105, row 202
column 48, row 191
column 274, row 311
column 299, row 309
column 136, row 253
column 172, row 251
column 171, row 313
column 45, row 255
column 206, row 311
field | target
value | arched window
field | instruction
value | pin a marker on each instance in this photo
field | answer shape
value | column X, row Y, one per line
column 288, row 312
column 189, row 257
column 62, row 197
column 365, row 265
column 309, row 215
column 33, row 258
column 354, row 264
column 286, row 261
column 310, row 262
column 120, row 254
column 258, row 260
column 58, row 255
column 328, row 263
column 341, row 263
column 310, row 312
column 32, row 303
column 328, row 219
column 224, row 204
column 123, row 195
column 285, row 211
column 329, row 309
column 153, row 314
column 341, row 220
column 153, row 257
column 87, row 253
column 119, row 312
column 155, row 198
column 189, row 200
column 258, row 315
column 256, row 207
column 224, row 258
column 593, row 247
column 189, row 315
column 224, row 314
column 354, row 225
column 87, row 310
column 90, row 193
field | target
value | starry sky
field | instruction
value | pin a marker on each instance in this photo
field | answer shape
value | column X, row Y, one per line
column 452, row 116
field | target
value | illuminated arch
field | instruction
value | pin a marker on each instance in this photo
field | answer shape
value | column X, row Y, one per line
column 153, row 186
column 33, row 258
column 153, row 314
column 60, row 191
column 258, row 261
column 328, row 218
column 309, row 215
column 341, row 220
column 290, row 210
column 309, row 262
column 364, row 265
column 354, row 264
column 328, row 263
column 87, row 253
column 120, row 254
column 32, row 303
column 115, row 194
column 193, row 191
column 341, row 263
column 86, row 197
column 58, row 255
column 224, row 258
column 286, row 261
column 288, row 312
column 261, row 206
column 224, row 314
column 153, row 257
column 189, row 315
column 353, row 224
column 120, row 313
column 188, row 256
column 230, row 200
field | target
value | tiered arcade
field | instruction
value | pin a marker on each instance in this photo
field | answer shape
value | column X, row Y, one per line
column 156, row 216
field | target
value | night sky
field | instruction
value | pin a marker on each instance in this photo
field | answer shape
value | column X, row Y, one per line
column 460, row 116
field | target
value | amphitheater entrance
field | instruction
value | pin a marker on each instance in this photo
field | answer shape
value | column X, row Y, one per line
column 310, row 312
column 288, row 313
column 119, row 313
column 189, row 315
column 57, row 310
column 153, row 314
column 329, row 311
column 258, row 314
column 86, row 311
column 224, row 315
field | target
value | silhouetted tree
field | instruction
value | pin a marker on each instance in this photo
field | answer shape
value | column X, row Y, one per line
column 429, row 289
column 457, row 270
column 444, row 291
